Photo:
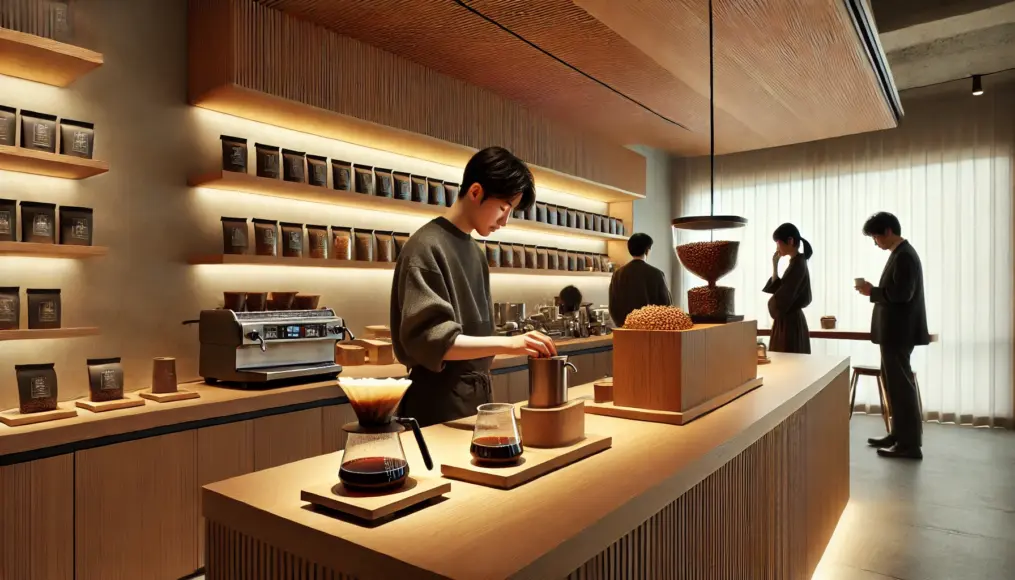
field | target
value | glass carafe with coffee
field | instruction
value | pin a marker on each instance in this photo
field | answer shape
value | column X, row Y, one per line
column 374, row 460
column 495, row 438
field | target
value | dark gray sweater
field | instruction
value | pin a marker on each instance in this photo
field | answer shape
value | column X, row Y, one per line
column 441, row 289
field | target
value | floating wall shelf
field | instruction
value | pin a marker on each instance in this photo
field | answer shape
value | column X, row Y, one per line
column 44, row 60
column 49, row 164
column 51, row 250
column 246, row 183
column 236, row 260
column 257, row 106
column 25, row 334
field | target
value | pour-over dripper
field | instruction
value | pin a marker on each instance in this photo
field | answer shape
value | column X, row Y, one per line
column 374, row 400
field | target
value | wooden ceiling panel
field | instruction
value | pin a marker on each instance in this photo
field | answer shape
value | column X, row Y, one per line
column 636, row 71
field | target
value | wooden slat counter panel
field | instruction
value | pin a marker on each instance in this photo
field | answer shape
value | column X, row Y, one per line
column 37, row 523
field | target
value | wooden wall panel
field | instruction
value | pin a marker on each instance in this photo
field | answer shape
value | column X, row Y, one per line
column 281, row 439
column 333, row 418
column 136, row 509
column 37, row 526
column 277, row 54
column 223, row 451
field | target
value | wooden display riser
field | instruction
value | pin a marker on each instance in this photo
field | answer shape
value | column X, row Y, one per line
column 126, row 402
column 372, row 507
column 180, row 395
column 611, row 410
column 14, row 417
column 535, row 462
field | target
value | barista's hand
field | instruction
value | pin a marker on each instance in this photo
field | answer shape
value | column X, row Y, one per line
column 534, row 344
column 775, row 259
column 865, row 288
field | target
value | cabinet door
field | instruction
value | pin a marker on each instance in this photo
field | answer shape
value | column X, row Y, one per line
column 37, row 523
column 281, row 439
column 586, row 370
column 223, row 451
column 518, row 386
column 501, row 391
column 136, row 509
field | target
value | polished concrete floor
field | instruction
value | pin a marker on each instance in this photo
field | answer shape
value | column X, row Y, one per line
column 949, row 517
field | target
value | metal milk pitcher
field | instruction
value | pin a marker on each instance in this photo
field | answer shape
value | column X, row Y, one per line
column 548, row 381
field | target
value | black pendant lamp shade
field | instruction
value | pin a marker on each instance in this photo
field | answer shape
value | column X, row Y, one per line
column 711, row 221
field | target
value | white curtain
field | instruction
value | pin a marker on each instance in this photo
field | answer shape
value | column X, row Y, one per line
column 946, row 172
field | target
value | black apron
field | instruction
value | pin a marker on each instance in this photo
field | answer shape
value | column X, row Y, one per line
column 451, row 394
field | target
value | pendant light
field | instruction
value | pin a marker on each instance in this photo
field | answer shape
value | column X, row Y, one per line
column 711, row 221
column 977, row 85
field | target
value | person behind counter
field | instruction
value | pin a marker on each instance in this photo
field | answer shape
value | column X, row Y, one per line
column 441, row 309
column 791, row 293
column 637, row 284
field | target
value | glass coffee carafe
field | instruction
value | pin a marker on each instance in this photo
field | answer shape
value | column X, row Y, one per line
column 495, row 438
column 374, row 459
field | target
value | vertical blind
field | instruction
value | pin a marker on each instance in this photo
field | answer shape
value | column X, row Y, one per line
column 946, row 173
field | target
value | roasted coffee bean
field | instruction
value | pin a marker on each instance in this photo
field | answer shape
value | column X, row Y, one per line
column 710, row 301
column 658, row 318
column 709, row 260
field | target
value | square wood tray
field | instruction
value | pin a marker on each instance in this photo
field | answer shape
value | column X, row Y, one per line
column 535, row 463
column 370, row 507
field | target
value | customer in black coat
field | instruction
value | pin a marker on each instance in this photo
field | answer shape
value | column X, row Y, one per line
column 898, row 324
column 791, row 293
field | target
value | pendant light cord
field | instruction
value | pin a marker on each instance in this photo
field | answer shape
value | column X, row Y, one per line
column 711, row 115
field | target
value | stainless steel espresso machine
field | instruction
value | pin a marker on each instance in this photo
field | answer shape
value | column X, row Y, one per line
column 258, row 348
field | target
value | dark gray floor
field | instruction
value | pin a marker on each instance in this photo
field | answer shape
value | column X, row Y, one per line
column 949, row 517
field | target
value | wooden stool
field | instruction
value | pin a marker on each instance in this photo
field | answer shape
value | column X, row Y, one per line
column 886, row 408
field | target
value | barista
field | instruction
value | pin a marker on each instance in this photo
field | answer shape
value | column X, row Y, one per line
column 441, row 309
column 570, row 299
column 637, row 284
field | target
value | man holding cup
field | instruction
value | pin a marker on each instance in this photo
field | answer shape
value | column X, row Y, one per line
column 898, row 324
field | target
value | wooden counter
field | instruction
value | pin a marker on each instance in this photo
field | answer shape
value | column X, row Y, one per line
column 215, row 403
column 754, row 489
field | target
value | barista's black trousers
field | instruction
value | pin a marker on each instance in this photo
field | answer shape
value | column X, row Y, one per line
column 907, row 423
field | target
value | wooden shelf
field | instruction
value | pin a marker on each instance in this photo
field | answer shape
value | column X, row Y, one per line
column 31, row 250
column 246, row 183
column 25, row 334
column 256, row 106
column 49, row 164
column 247, row 260
column 44, row 60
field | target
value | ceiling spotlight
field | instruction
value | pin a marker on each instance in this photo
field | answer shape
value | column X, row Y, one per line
column 977, row 85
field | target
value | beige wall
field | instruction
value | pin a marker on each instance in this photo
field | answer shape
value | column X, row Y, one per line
column 152, row 221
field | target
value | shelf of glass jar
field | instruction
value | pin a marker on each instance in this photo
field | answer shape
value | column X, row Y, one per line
column 251, row 260
column 275, row 187
column 44, row 60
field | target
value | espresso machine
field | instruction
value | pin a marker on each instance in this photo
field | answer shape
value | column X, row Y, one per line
column 260, row 348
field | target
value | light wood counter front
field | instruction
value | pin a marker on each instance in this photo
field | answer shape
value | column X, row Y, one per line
column 753, row 490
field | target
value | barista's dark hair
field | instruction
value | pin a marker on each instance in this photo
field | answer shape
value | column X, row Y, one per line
column 501, row 175
column 787, row 232
column 881, row 222
column 571, row 299
column 639, row 244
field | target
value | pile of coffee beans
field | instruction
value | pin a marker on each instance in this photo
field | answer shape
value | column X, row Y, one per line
column 710, row 301
column 709, row 260
column 658, row 318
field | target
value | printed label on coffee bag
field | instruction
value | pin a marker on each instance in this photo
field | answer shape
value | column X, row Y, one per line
column 237, row 238
column 405, row 188
column 41, row 136
column 79, row 228
column 4, row 133
column 269, row 237
column 271, row 164
column 8, row 309
column 108, row 382
column 47, row 311
column 40, row 388
column 295, row 240
column 237, row 155
column 320, row 173
column 42, row 225
column 6, row 223
column 80, row 142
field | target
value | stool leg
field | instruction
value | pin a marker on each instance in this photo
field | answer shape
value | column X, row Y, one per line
column 852, row 393
column 886, row 407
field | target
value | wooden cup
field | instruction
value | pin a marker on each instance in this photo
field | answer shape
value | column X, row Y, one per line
column 164, row 375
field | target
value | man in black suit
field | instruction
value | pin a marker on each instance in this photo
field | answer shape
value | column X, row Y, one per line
column 898, row 324
column 637, row 284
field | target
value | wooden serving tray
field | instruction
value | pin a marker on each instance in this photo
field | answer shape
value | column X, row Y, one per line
column 535, row 462
column 671, row 417
column 180, row 395
column 371, row 507
column 126, row 402
column 14, row 418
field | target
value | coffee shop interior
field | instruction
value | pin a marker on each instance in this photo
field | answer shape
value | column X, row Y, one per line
column 203, row 202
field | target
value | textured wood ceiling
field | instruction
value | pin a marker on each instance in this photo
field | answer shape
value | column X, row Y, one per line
column 637, row 71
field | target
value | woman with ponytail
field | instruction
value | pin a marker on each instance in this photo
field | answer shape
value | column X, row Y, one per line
column 791, row 293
